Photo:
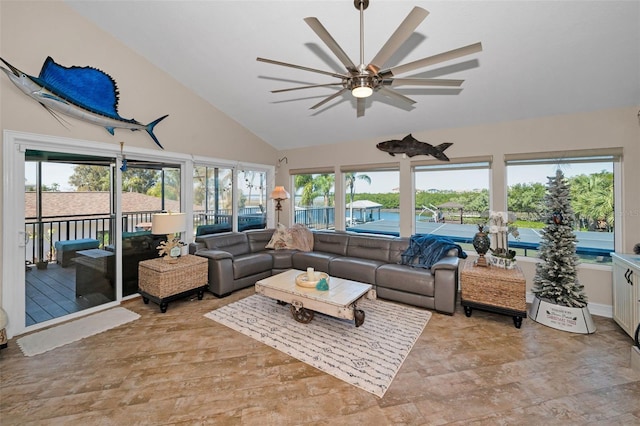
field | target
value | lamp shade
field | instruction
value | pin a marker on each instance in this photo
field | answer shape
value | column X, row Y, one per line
column 279, row 193
column 168, row 223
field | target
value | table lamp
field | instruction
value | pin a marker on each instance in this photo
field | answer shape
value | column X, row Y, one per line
column 169, row 224
column 279, row 194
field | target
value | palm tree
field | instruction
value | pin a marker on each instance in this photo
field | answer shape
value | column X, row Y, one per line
column 324, row 184
column 350, row 180
column 305, row 184
column 593, row 198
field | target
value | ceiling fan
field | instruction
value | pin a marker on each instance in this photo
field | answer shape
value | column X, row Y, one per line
column 365, row 79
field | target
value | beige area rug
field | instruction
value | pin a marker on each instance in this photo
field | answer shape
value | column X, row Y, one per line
column 63, row 334
column 368, row 356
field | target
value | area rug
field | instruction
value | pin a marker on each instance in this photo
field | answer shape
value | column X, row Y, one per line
column 63, row 334
column 368, row 356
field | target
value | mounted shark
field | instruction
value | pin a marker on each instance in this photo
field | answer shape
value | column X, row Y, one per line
column 84, row 93
column 411, row 146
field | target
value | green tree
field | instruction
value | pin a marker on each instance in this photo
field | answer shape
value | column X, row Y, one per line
column 304, row 184
column 324, row 184
column 98, row 178
column 526, row 198
column 556, row 278
column 171, row 185
column 593, row 200
column 90, row 178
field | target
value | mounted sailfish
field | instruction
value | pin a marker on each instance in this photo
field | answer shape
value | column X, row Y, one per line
column 84, row 93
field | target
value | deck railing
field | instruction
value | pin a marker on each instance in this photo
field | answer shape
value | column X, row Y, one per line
column 42, row 235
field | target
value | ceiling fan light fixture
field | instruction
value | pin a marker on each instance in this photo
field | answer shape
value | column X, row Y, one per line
column 362, row 91
column 361, row 87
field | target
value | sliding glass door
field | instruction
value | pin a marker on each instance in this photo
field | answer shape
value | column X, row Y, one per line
column 68, row 234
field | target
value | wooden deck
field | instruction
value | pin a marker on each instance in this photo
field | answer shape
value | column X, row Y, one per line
column 51, row 293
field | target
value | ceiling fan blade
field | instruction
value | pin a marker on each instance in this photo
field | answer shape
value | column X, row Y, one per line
column 328, row 98
column 395, row 95
column 402, row 33
column 306, row 87
column 431, row 60
column 360, row 104
column 394, row 82
column 324, row 35
column 300, row 67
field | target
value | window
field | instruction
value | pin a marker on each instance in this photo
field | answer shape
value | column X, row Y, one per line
column 314, row 200
column 591, row 180
column 450, row 198
column 252, row 197
column 372, row 201
column 212, row 199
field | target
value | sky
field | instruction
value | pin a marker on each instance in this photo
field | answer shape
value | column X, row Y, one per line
column 383, row 182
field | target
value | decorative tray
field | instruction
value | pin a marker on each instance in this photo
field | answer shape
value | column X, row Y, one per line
column 302, row 280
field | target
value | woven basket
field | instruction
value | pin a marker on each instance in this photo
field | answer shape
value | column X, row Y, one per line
column 163, row 279
column 503, row 288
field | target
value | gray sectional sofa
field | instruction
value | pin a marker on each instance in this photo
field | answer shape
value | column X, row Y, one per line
column 239, row 259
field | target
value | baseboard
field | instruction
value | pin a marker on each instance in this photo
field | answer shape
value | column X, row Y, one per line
column 594, row 308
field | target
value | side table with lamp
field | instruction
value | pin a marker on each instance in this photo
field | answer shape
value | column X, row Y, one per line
column 173, row 276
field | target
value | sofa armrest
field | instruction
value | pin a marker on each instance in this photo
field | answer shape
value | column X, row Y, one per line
column 214, row 254
column 195, row 246
column 445, row 281
column 447, row 262
column 220, row 273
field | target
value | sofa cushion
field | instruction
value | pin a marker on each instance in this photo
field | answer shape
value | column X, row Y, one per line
column 258, row 238
column 330, row 242
column 397, row 246
column 235, row 243
column 373, row 248
column 251, row 264
column 356, row 269
column 405, row 278
column 312, row 259
column 282, row 259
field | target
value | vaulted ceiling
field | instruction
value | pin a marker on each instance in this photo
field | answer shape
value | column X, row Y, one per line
column 539, row 58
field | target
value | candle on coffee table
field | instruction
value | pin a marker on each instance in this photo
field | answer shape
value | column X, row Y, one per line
column 310, row 274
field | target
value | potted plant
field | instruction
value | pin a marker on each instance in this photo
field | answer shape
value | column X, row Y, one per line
column 560, row 301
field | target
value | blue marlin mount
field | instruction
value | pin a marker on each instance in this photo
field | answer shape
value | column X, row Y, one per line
column 411, row 147
column 85, row 93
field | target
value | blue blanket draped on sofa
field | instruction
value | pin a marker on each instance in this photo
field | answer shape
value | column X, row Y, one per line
column 429, row 249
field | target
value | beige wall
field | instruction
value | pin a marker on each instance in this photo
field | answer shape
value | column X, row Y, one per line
column 600, row 129
column 196, row 127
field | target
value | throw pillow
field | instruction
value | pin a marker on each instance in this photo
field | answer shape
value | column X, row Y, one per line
column 281, row 238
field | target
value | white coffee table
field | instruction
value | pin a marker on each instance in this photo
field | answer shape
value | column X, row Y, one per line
column 339, row 301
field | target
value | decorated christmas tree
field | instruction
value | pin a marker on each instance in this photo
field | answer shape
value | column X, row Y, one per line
column 556, row 278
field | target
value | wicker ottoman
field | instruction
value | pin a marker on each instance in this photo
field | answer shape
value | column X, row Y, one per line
column 494, row 289
column 162, row 281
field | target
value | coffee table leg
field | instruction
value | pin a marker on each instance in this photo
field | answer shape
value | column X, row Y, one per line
column 299, row 313
column 359, row 317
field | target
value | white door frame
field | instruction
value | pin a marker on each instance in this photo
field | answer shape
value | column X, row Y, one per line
column 14, row 147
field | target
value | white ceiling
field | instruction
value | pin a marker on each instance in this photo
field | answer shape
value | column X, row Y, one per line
column 539, row 58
